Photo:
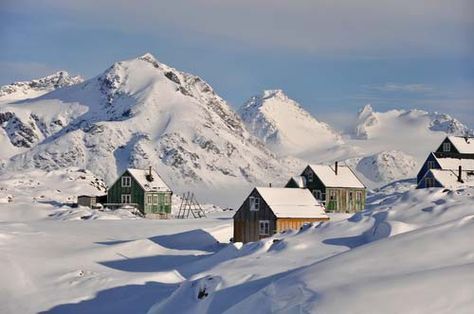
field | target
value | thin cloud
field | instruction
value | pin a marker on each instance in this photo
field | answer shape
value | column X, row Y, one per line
column 403, row 88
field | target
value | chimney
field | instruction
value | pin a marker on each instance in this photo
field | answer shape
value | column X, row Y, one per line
column 149, row 176
column 335, row 167
column 460, row 174
column 270, row 185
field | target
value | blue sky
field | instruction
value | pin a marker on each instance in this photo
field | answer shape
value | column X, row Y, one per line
column 331, row 56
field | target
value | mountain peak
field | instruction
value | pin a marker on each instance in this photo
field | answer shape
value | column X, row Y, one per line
column 366, row 110
column 283, row 124
column 269, row 93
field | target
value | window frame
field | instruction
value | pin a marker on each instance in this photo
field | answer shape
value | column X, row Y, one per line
column 310, row 176
column 430, row 164
column 429, row 182
column 266, row 227
column 318, row 194
column 254, row 203
column 125, row 196
column 446, row 147
column 126, row 181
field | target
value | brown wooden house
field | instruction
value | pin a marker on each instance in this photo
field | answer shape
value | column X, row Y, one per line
column 267, row 211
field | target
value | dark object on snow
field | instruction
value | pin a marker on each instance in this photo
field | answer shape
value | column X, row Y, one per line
column 91, row 201
column 202, row 293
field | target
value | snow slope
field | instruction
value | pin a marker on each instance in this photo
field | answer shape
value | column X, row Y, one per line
column 140, row 112
column 369, row 263
column 366, row 263
column 285, row 126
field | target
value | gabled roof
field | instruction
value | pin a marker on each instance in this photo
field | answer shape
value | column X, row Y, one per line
column 344, row 178
column 140, row 175
column 454, row 163
column 300, row 181
column 449, row 178
column 464, row 145
column 292, row 203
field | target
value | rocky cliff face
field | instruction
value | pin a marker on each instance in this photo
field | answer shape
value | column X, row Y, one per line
column 37, row 87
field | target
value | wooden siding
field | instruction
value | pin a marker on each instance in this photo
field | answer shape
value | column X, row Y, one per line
column 162, row 204
column 338, row 200
column 295, row 223
column 246, row 222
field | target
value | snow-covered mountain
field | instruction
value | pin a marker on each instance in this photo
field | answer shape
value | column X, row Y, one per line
column 372, row 124
column 37, row 87
column 381, row 168
column 285, row 126
column 137, row 113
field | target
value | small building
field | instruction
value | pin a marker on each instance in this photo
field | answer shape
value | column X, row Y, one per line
column 454, row 152
column 337, row 187
column 91, row 201
column 456, row 147
column 443, row 178
column 142, row 189
column 267, row 211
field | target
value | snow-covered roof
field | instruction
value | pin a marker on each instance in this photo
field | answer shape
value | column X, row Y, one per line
column 344, row 177
column 292, row 203
column 300, row 181
column 140, row 175
column 449, row 178
column 454, row 163
column 464, row 145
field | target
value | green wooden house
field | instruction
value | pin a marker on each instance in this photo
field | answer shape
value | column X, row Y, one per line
column 337, row 187
column 142, row 189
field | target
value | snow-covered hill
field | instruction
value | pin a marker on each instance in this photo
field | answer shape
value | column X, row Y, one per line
column 141, row 112
column 37, row 87
column 381, row 168
column 285, row 126
column 371, row 124
column 372, row 262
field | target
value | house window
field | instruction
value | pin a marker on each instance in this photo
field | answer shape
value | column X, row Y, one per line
column 431, row 164
column 446, row 147
column 429, row 182
column 359, row 197
column 126, row 182
column 155, row 199
column 310, row 176
column 126, row 198
column 254, row 203
column 149, row 199
column 264, row 227
column 318, row 194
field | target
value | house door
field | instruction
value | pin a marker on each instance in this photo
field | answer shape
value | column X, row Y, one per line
column 350, row 201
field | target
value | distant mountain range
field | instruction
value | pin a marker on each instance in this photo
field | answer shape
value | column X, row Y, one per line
column 141, row 112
